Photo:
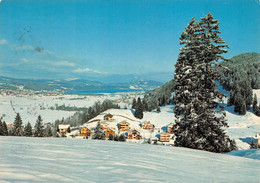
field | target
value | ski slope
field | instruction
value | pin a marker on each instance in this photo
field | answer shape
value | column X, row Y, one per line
column 77, row 160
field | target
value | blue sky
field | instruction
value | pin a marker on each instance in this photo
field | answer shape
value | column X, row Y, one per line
column 61, row 39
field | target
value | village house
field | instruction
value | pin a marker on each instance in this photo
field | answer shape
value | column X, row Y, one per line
column 9, row 126
column 123, row 126
column 258, row 139
column 165, row 137
column 108, row 132
column 85, row 132
column 63, row 128
column 134, row 134
column 104, row 126
column 147, row 125
column 171, row 128
column 108, row 117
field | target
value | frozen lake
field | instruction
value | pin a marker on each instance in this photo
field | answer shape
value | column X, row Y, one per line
column 78, row 160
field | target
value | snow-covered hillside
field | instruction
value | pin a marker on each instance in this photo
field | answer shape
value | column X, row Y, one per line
column 30, row 107
column 77, row 160
column 240, row 126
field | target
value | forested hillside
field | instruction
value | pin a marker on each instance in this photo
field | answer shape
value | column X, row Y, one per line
column 159, row 96
column 239, row 75
column 242, row 68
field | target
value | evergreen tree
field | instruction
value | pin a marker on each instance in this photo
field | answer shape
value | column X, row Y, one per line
column 139, row 109
column 158, row 109
column 239, row 103
column 230, row 101
column 69, row 130
column 134, row 104
column 17, row 129
column 98, row 133
column 39, row 131
column 121, row 138
column 5, row 129
column 116, row 138
column 28, row 130
column 258, row 110
column 145, row 105
column 1, row 127
column 196, row 95
column 255, row 103
column 111, row 137
column 48, row 132
column 253, row 145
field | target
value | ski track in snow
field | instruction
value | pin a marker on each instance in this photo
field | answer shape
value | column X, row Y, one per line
column 77, row 160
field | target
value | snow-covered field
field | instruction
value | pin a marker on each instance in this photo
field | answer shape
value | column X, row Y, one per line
column 77, row 160
column 30, row 107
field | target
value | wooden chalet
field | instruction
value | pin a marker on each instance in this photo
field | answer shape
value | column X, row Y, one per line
column 171, row 128
column 124, row 126
column 108, row 132
column 147, row 125
column 104, row 126
column 63, row 128
column 165, row 137
column 108, row 117
column 9, row 126
column 134, row 134
column 85, row 132
column 258, row 139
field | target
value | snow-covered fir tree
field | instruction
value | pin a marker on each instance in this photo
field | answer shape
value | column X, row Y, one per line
column 134, row 104
column 48, row 132
column 255, row 104
column 28, row 130
column 139, row 109
column 5, row 129
column 199, row 115
column 111, row 137
column 98, row 133
column 121, row 138
column 1, row 127
column 17, row 129
column 39, row 129
column 253, row 145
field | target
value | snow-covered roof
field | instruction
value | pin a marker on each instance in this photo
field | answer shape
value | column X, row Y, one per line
column 64, row 126
column 122, row 122
column 126, row 133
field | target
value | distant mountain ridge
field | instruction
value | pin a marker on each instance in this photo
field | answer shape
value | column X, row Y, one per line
column 74, row 84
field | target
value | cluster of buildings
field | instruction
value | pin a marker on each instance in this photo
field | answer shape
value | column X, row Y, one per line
column 165, row 135
column 22, row 92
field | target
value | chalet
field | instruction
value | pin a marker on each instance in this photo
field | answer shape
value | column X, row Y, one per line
column 123, row 126
column 9, row 126
column 258, row 139
column 85, row 132
column 134, row 134
column 104, row 126
column 108, row 132
column 146, row 125
column 108, row 117
column 165, row 137
column 171, row 128
column 63, row 128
